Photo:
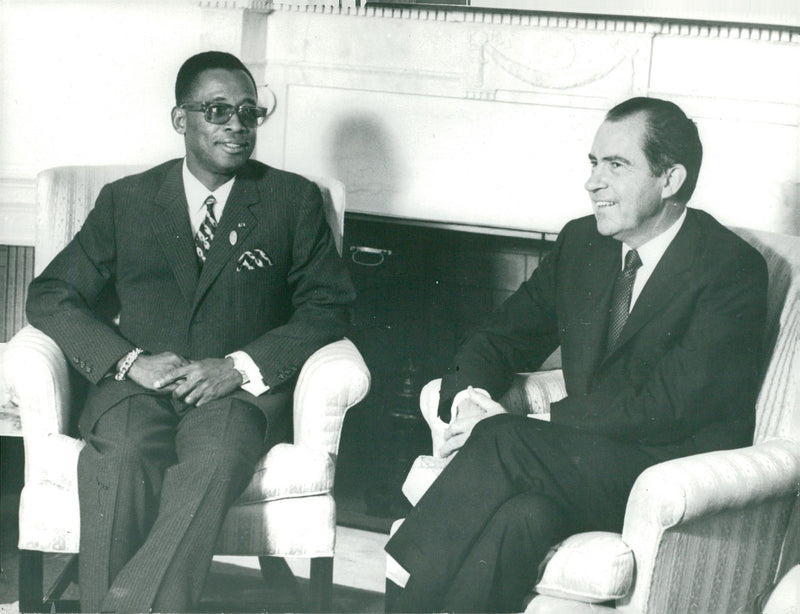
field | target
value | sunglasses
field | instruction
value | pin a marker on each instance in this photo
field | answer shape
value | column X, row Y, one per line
column 220, row 113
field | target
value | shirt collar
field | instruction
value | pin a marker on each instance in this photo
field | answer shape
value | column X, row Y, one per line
column 652, row 251
column 196, row 192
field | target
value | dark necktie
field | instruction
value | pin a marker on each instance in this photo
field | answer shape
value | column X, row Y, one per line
column 621, row 301
column 205, row 232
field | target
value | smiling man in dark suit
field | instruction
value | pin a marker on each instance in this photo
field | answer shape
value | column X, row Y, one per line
column 659, row 312
column 226, row 279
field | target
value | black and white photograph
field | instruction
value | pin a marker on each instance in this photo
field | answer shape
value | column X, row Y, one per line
column 351, row 306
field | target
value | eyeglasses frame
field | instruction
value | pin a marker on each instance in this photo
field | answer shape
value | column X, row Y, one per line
column 203, row 107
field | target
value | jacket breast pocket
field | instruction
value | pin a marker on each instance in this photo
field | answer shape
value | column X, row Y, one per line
column 252, row 260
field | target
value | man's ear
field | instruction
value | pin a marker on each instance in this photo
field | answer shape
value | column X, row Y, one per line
column 179, row 120
column 674, row 177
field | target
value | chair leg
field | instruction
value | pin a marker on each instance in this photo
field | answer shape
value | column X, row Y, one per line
column 321, row 584
column 68, row 575
column 277, row 573
column 31, row 577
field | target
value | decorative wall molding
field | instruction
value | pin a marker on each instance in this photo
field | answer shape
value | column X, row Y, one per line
column 572, row 71
column 482, row 117
column 476, row 61
column 17, row 207
column 17, row 223
column 601, row 23
column 236, row 4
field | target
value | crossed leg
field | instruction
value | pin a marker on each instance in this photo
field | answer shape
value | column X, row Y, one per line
column 516, row 488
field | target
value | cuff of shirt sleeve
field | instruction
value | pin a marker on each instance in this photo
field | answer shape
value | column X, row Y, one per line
column 243, row 362
column 460, row 396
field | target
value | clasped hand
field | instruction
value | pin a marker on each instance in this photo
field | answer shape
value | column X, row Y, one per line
column 194, row 382
column 471, row 410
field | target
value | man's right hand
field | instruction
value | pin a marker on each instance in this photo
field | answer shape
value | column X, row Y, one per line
column 473, row 408
column 146, row 370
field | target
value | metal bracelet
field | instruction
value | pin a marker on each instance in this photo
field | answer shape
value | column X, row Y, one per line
column 127, row 364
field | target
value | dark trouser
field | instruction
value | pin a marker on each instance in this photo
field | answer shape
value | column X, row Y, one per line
column 475, row 540
column 155, row 481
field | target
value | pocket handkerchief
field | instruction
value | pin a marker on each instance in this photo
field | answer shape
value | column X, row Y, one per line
column 253, row 259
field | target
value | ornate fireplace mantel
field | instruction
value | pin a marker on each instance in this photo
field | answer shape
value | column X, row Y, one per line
column 465, row 116
column 484, row 117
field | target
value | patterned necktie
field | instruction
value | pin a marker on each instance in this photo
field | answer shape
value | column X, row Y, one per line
column 621, row 301
column 205, row 232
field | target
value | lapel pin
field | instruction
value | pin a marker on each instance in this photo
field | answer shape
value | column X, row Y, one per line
column 242, row 224
column 233, row 237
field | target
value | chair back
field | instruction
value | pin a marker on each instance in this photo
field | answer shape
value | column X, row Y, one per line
column 66, row 194
column 778, row 404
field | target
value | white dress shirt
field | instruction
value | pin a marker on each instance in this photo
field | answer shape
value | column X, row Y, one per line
column 650, row 254
column 196, row 194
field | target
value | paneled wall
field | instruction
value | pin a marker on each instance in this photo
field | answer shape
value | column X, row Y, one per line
column 486, row 118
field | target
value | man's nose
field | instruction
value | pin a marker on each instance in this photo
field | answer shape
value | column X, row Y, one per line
column 595, row 181
column 235, row 123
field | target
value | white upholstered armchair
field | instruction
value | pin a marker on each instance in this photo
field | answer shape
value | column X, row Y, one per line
column 706, row 533
column 288, row 508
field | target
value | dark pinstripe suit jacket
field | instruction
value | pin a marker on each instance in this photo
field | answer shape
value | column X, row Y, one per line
column 683, row 376
column 136, row 248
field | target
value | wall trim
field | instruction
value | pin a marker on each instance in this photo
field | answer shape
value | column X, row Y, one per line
column 17, row 206
column 541, row 19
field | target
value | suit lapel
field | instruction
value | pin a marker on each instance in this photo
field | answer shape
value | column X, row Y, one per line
column 236, row 223
column 600, row 266
column 171, row 226
column 665, row 281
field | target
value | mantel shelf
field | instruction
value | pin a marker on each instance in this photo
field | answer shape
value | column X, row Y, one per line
column 454, row 226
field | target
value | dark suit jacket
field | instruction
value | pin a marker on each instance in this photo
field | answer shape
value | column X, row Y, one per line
column 684, row 374
column 137, row 247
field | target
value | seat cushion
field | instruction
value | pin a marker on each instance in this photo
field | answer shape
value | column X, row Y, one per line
column 785, row 599
column 423, row 473
column 49, row 519
column 298, row 527
column 590, row 567
column 289, row 471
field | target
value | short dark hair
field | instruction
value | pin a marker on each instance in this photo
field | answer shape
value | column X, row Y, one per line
column 207, row 60
column 671, row 138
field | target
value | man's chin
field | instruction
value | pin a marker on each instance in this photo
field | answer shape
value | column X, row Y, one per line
column 230, row 164
column 603, row 227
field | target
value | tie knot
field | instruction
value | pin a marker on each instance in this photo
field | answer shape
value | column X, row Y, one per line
column 632, row 260
column 209, row 203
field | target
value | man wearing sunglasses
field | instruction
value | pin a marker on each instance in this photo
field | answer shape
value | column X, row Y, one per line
column 225, row 278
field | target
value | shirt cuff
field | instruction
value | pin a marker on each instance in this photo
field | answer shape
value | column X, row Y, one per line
column 243, row 362
column 460, row 396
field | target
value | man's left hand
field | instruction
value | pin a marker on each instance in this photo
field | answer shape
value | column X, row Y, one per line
column 477, row 407
column 203, row 381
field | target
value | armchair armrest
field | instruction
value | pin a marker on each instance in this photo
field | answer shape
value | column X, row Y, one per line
column 429, row 406
column 529, row 393
column 726, row 501
column 688, row 488
column 38, row 379
column 331, row 381
column 532, row 393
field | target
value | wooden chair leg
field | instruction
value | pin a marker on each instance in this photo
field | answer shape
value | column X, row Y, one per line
column 68, row 575
column 277, row 573
column 321, row 584
column 31, row 577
